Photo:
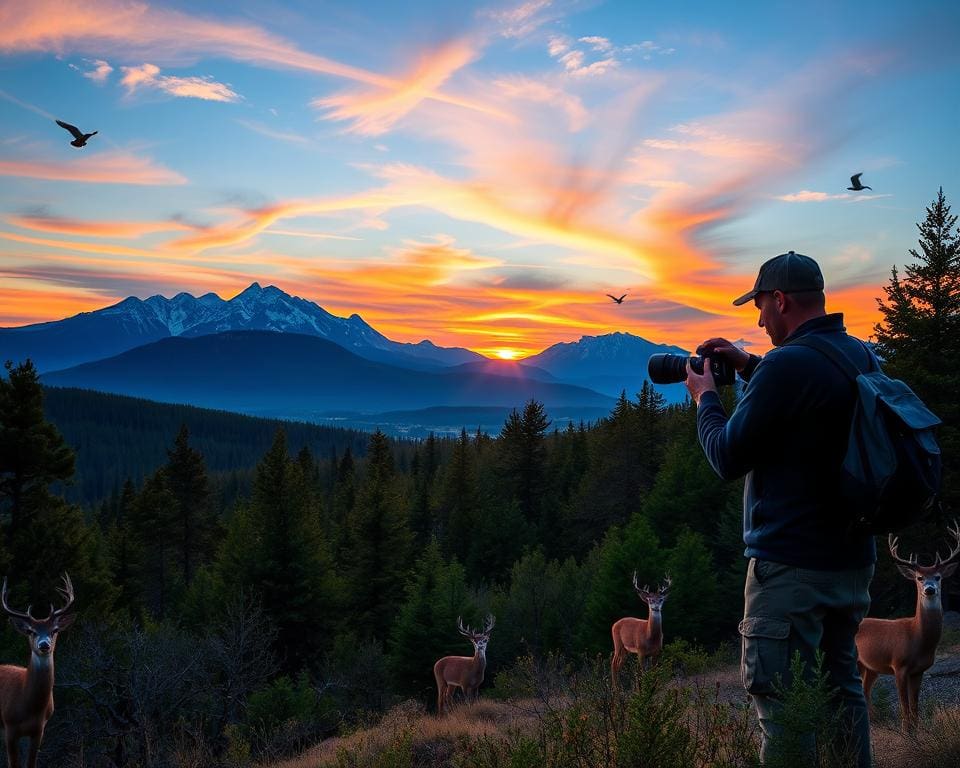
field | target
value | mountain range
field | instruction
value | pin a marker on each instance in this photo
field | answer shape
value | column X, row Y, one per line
column 268, row 353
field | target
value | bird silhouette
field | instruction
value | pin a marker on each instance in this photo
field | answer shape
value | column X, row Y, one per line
column 79, row 137
column 620, row 300
column 855, row 185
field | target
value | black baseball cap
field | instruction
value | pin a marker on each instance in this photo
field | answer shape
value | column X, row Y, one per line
column 789, row 272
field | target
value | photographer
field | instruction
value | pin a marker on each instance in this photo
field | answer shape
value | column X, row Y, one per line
column 808, row 578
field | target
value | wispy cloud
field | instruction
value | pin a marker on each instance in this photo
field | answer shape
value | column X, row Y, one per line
column 273, row 133
column 540, row 92
column 594, row 55
column 374, row 111
column 521, row 20
column 110, row 229
column 136, row 30
column 100, row 70
column 808, row 196
column 103, row 168
column 148, row 76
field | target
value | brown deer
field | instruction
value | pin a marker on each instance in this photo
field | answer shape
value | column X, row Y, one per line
column 26, row 694
column 463, row 672
column 905, row 647
column 643, row 637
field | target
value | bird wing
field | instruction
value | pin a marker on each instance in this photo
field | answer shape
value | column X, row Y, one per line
column 77, row 134
column 855, row 179
column 622, row 297
column 612, row 297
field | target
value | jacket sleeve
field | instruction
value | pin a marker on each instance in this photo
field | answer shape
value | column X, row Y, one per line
column 733, row 445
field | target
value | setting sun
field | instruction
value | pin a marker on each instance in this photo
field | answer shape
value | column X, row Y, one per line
column 507, row 354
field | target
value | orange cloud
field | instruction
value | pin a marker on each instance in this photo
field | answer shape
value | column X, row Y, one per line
column 113, row 229
column 375, row 111
column 100, row 168
column 148, row 76
column 170, row 37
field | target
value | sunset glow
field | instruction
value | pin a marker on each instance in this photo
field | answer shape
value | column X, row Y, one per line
column 479, row 175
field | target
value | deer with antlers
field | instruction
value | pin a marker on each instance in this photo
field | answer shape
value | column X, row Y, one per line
column 643, row 637
column 905, row 647
column 26, row 693
column 463, row 672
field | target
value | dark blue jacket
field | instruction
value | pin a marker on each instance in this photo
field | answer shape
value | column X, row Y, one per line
column 788, row 434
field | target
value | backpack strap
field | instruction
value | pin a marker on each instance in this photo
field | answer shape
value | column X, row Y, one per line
column 836, row 355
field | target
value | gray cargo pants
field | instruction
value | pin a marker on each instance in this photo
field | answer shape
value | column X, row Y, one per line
column 788, row 609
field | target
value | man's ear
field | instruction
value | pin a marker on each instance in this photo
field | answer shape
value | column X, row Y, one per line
column 781, row 298
column 22, row 626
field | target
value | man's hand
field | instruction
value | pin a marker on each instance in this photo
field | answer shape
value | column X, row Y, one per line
column 718, row 347
column 697, row 384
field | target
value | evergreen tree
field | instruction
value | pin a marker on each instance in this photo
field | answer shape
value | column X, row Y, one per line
column 275, row 549
column 634, row 548
column 426, row 626
column 192, row 522
column 378, row 545
column 919, row 336
column 522, row 443
column 459, row 503
column 692, row 611
column 33, row 454
column 125, row 555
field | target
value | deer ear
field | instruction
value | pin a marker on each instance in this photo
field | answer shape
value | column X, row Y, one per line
column 65, row 621
column 908, row 573
column 22, row 626
column 948, row 569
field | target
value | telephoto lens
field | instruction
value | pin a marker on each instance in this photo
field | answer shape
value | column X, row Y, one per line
column 665, row 368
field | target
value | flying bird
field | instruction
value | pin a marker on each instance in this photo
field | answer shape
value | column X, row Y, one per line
column 855, row 185
column 620, row 300
column 79, row 137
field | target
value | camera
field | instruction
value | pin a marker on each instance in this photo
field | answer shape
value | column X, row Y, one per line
column 669, row 369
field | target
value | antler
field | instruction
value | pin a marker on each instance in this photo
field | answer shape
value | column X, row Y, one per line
column 894, row 542
column 19, row 614
column 955, row 532
column 464, row 630
column 488, row 626
column 665, row 587
column 67, row 591
column 637, row 586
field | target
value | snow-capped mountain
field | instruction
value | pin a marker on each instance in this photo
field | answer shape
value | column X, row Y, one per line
column 133, row 322
column 610, row 363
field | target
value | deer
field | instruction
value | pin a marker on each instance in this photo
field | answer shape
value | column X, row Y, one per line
column 463, row 672
column 643, row 637
column 905, row 647
column 26, row 693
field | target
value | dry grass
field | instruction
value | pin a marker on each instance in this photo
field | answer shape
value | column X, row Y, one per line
column 434, row 741
column 427, row 732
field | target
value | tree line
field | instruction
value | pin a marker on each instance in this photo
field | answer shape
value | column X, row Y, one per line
column 325, row 583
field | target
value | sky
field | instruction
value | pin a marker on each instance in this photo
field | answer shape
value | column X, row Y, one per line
column 478, row 174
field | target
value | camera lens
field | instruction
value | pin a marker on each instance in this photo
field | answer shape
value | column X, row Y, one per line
column 665, row 368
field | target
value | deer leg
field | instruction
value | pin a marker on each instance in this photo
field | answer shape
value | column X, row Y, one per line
column 914, row 689
column 903, row 695
column 615, row 664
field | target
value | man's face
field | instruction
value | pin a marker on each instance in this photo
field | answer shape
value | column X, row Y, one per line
column 771, row 316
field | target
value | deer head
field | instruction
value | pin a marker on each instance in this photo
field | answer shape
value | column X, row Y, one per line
column 654, row 600
column 479, row 639
column 927, row 577
column 42, row 633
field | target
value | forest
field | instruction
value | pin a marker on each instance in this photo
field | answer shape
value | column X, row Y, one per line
column 255, row 586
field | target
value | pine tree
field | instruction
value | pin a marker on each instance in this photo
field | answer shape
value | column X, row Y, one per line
column 378, row 544
column 523, row 446
column 426, row 626
column 192, row 522
column 919, row 337
column 33, row 453
column 275, row 549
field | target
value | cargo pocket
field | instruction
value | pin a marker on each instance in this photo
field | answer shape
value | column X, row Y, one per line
column 765, row 653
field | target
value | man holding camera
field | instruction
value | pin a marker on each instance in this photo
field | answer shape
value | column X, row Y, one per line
column 808, row 578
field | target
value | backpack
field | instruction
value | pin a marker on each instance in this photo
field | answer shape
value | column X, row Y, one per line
column 890, row 475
